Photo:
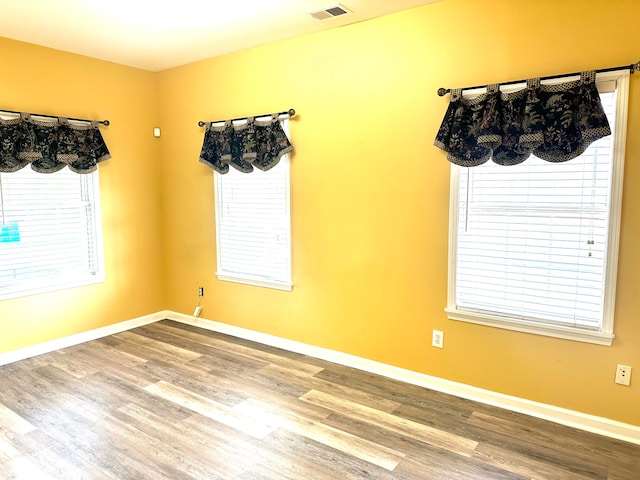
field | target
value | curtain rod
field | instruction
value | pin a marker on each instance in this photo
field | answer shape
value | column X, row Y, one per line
column 632, row 68
column 103, row 122
column 289, row 113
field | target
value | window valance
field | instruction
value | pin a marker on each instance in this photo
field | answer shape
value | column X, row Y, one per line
column 254, row 142
column 49, row 144
column 553, row 122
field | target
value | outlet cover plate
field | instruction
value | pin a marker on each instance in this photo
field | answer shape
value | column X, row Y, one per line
column 623, row 374
column 437, row 339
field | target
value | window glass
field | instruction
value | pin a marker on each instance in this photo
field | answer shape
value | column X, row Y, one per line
column 49, row 231
column 253, row 226
column 533, row 247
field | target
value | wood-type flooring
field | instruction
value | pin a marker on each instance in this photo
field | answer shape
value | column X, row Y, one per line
column 172, row 401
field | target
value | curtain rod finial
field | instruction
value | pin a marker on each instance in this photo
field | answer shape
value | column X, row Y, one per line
column 291, row 112
column 443, row 91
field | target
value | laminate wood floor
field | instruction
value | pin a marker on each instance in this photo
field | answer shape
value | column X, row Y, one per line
column 171, row 401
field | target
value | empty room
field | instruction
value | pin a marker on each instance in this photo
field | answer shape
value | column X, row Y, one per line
column 300, row 239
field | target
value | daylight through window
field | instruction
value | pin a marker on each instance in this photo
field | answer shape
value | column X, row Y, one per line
column 50, row 235
column 533, row 247
column 253, row 226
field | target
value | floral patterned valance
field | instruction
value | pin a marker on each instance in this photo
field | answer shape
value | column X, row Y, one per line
column 553, row 122
column 258, row 143
column 50, row 144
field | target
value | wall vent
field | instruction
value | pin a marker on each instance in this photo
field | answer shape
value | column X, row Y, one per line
column 329, row 12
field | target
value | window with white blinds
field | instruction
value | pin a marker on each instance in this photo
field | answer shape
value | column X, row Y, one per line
column 533, row 247
column 253, row 226
column 50, row 236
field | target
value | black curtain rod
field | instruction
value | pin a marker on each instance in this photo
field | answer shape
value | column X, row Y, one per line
column 290, row 113
column 632, row 68
column 103, row 122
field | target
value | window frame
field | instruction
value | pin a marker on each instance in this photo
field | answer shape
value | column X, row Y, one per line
column 285, row 283
column 605, row 335
column 53, row 284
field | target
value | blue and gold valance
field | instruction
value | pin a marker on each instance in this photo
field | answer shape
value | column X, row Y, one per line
column 254, row 143
column 553, row 122
column 49, row 144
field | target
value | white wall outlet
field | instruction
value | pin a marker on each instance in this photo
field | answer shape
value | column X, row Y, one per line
column 437, row 339
column 623, row 374
column 197, row 311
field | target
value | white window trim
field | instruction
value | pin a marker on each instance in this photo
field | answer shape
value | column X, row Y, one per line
column 605, row 336
column 256, row 282
column 252, row 279
column 89, row 280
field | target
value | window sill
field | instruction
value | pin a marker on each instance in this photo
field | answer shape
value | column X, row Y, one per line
column 256, row 282
column 49, row 287
column 567, row 333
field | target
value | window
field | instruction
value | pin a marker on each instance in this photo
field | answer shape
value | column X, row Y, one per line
column 50, row 236
column 533, row 247
column 253, row 226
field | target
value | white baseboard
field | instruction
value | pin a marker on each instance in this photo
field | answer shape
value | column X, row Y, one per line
column 571, row 418
column 582, row 421
column 46, row 347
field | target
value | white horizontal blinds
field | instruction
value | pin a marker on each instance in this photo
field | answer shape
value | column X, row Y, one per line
column 49, row 236
column 253, row 225
column 532, row 238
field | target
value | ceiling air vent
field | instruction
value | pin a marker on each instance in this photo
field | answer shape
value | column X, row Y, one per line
column 329, row 12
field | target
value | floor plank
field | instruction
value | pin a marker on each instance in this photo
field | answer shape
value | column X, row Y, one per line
column 424, row 433
column 251, row 424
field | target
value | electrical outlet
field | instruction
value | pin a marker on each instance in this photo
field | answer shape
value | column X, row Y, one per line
column 437, row 339
column 623, row 374
column 201, row 292
column 197, row 311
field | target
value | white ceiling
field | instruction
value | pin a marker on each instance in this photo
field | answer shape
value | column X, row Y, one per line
column 159, row 34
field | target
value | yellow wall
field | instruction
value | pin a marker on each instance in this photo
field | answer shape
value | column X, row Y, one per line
column 370, row 192
column 40, row 80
